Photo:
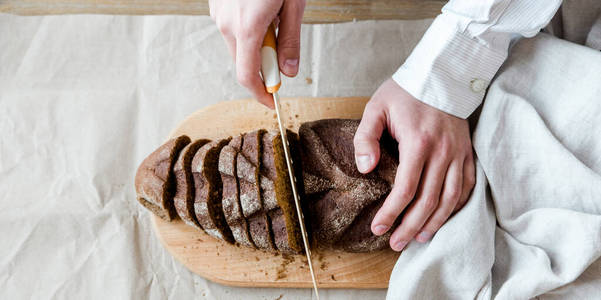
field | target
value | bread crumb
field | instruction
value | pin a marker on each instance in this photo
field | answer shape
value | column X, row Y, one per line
column 309, row 80
column 283, row 268
column 333, row 278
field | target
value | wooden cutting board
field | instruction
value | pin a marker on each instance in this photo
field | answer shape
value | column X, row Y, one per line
column 240, row 266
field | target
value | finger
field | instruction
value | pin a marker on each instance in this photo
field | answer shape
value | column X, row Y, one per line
column 248, row 64
column 469, row 180
column 411, row 163
column 451, row 191
column 230, row 42
column 423, row 206
column 367, row 138
column 289, row 36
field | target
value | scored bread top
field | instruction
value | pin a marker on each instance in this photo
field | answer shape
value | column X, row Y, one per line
column 341, row 200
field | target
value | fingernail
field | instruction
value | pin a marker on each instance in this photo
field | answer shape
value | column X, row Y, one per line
column 400, row 246
column 380, row 229
column 291, row 65
column 291, row 62
column 363, row 163
column 423, row 237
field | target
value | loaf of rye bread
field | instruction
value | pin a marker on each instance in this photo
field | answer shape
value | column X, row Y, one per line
column 252, row 201
column 155, row 183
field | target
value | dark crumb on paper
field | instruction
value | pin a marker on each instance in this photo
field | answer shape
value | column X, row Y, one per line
column 217, row 253
column 333, row 278
column 324, row 265
column 280, row 297
column 309, row 80
column 200, row 240
column 338, row 256
column 257, row 258
column 296, row 116
column 275, row 116
column 266, row 273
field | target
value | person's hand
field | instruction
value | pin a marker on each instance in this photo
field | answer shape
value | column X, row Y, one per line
column 436, row 167
column 243, row 24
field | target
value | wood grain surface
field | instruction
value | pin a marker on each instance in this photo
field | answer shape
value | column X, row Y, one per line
column 316, row 11
column 240, row 266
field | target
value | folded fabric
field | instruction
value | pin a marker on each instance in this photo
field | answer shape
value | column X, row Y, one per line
column 593, row 39
column 532, row 226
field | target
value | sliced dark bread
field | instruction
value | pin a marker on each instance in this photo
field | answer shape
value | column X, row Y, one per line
column 231, row 195
column 155, row 184
column 250, row 195
column 277, row 191
column 208, row 189
column 184, row 195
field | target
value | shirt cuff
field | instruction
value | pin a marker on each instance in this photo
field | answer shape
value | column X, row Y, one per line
column 449, row 70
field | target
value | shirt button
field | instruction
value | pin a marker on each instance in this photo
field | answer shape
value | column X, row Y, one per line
column 478, row 85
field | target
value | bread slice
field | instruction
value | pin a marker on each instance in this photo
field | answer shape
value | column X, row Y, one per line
column 277, row 191
column 184, row 195
column 208, row 190
column 250, row 195
column 155, row 184
column 231, row 195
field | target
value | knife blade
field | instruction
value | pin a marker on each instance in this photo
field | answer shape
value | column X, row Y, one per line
column 271, row 78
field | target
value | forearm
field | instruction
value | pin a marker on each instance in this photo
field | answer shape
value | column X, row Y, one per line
column 465, row 46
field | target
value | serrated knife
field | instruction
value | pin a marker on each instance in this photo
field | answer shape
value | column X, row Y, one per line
column 271, row 77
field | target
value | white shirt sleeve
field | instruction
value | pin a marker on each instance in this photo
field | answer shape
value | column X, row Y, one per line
column 452, row 65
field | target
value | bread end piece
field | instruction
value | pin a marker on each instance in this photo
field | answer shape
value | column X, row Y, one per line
column 154, row 181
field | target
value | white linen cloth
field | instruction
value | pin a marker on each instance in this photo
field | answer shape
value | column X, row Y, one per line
column 460, row 53
column 532, row 226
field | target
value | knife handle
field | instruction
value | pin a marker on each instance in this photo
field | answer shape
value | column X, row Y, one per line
column 269, row 62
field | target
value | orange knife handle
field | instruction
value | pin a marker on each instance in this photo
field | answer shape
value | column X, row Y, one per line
column 269, row 62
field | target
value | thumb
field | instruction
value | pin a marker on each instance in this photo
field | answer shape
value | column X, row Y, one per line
column 367, row 139
column 289, row 36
